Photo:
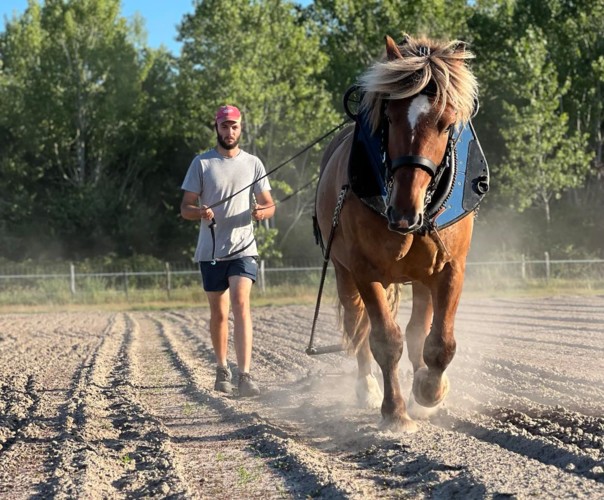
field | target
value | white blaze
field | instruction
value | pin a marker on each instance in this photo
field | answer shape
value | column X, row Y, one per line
column 418, row 107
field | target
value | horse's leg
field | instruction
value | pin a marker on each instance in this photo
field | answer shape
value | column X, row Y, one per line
column 419, row 324
column 386, row 340
column 417, row 330
column 430, row 383
column 356, row 327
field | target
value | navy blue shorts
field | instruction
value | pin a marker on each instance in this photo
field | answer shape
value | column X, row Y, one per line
column 215, row 276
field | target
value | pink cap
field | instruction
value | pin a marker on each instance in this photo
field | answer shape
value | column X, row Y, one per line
column 227, row 114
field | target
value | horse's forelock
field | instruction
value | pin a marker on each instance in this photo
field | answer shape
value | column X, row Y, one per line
column 401, row 78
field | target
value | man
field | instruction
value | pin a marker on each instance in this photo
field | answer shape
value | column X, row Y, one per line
column 226, row 248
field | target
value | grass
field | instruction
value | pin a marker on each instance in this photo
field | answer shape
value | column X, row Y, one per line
column 53, row 298
column 245, row 476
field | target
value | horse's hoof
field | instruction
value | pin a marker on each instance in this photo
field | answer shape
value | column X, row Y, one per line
column 369, row 394
column 419, row 412
column 402, row 424
column 429, row 390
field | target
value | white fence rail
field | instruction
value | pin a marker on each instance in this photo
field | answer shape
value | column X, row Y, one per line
column 172, row 276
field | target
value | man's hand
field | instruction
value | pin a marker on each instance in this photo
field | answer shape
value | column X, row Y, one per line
column 206, row 213
column 258, row 212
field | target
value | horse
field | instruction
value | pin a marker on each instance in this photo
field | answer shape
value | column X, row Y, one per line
column 416, row 96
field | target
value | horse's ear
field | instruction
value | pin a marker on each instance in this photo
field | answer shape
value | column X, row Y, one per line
column 460, row 47
column 392, row 50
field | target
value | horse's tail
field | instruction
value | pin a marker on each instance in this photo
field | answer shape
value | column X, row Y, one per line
column 361, row 328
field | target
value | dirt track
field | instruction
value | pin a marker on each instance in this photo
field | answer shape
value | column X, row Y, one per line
column 119, row 405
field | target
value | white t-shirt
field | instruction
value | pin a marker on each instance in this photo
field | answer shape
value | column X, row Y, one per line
column 214, row 178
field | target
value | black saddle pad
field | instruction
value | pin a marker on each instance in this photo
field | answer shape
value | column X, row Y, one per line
column 366, row 170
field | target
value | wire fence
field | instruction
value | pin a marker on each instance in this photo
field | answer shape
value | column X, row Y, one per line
column 30, row 283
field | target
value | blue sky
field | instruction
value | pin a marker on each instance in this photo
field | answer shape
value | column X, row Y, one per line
column 161, row 17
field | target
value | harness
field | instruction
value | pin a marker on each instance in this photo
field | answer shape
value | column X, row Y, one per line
column 458, row 183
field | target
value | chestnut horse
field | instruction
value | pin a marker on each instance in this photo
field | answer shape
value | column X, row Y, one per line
column 425, row 91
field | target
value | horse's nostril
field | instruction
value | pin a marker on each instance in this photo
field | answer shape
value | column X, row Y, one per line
column 401, row 222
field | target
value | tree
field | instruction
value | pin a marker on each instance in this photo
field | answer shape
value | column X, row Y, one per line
column 353, row 31
column 544, row 157
column 84, row 126
column 571, row 34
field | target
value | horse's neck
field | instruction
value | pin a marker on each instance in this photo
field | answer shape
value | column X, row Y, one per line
column 334, row 145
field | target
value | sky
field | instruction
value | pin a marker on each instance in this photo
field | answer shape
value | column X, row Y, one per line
column 161, row 17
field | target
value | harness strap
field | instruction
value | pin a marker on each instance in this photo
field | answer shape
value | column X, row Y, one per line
column 211, row 226
column 310, row 350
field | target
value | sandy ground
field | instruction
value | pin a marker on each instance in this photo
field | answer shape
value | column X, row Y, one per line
column 120, row 405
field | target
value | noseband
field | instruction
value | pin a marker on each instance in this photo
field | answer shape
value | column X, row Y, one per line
column 417, row 161
column 413, row 161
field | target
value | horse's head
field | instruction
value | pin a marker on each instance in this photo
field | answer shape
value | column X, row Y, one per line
column 417, row 96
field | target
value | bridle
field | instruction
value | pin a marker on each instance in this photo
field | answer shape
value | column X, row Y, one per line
column 415, row 161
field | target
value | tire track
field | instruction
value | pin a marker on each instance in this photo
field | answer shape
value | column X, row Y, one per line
column 539, row 435
column 37, row 370
column 19, row 402
column 267, row 438
column 107, row 439
column 70, row 450
column 144, row 442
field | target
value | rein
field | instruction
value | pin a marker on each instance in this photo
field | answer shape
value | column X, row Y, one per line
column 303, row 150
column 311, row 350
column 224, row 200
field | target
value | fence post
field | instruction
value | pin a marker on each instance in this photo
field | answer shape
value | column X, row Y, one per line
column 168, row 279
column 262, row 276
column 72, row 278
column 126, row 283
column 523, row 268
column 547, row 267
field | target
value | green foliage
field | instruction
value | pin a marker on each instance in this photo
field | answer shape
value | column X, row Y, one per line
column 543, row 157
column 97, row 130
column 541, row 119
column 265, row 240
column 353, row 31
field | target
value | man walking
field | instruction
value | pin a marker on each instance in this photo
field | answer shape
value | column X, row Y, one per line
column 218, row 189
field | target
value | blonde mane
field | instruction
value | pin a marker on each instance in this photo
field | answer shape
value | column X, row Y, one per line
column 423, row 61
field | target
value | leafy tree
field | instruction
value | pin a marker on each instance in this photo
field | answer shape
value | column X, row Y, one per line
column 69, row 80
column 572, row 38
column 543, row 157
column 353, row 31
column 87, row 125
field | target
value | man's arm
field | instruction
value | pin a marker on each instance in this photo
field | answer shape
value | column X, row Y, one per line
column 265, row 206
column 190, row 210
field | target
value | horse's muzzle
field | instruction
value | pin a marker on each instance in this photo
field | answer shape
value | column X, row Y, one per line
column 403, row 224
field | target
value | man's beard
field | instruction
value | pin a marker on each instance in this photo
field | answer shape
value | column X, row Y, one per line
column 224, row 144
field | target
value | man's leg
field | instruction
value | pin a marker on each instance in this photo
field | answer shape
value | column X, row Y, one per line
column 219, row 324
column 240, row 288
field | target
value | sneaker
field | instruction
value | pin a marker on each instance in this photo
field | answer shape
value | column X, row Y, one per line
column 223, row 380
column 247, row 386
